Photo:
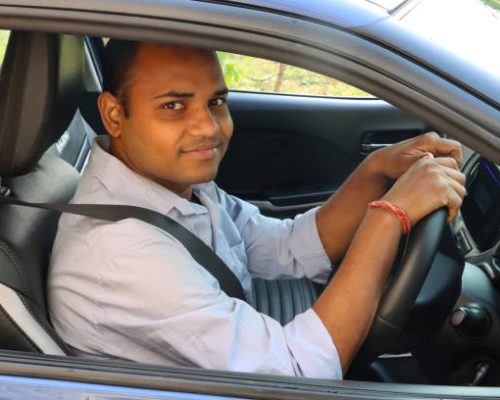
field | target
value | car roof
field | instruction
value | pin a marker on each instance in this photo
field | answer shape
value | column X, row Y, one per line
column 343, row 13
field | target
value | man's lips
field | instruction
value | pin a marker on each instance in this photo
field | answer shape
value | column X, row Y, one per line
column 204, row 151
column 204, row 147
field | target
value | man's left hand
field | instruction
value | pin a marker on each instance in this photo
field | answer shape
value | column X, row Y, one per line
column 395, row 160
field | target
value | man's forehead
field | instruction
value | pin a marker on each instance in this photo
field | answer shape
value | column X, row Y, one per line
column 163, row 67
column 173, row 55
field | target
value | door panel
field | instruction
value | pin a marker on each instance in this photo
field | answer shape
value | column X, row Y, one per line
column 289, row 153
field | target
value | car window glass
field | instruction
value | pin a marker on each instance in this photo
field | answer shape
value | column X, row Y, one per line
column 253, row 74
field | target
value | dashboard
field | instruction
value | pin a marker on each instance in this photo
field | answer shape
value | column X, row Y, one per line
column 477, row 229
column 467, row 342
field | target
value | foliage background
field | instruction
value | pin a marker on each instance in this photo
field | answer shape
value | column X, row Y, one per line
column 4, row 38
column 493, row 3
column 255, row 74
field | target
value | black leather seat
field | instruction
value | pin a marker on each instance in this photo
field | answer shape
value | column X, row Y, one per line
column 41, row 78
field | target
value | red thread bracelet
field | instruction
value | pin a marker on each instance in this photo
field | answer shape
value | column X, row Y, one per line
column 401, row 214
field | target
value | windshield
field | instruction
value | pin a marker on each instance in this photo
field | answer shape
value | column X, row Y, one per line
column 470, row 28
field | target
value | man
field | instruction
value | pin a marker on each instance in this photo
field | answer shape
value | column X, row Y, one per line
column 129, row 290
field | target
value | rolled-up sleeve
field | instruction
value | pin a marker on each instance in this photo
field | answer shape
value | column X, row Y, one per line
column 312, row 347
column 159, row 306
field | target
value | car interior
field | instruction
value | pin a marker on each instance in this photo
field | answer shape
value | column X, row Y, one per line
column 288, row 154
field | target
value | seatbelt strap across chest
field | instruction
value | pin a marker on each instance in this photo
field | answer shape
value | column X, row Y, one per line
column 202, row 253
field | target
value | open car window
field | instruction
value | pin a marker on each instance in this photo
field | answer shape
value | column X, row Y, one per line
column 252, row 74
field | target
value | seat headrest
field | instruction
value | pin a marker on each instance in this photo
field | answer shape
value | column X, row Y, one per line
column 41, row 78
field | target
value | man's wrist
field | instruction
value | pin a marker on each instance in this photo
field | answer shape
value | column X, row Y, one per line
column 384, row 220
column 373, row 169
column 397, row 211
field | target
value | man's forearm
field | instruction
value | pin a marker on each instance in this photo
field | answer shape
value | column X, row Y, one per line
column 348, row 304
column 338, row 219
column 427, row 177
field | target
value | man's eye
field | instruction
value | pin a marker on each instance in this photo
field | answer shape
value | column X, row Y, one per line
column 219, row 101
column 173, row 105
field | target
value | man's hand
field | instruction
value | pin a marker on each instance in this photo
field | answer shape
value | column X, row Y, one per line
column 348, row 304
column 430, row 183
column 339, row 218
column 395, row 160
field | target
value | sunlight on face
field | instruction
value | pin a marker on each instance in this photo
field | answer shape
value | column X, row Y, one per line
column 178, row 126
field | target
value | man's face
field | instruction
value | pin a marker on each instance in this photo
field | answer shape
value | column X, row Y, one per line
column 178, row 125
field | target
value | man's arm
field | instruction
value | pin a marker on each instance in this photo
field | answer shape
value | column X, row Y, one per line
column 338, row 219
column 340, row 216
column 348, row 304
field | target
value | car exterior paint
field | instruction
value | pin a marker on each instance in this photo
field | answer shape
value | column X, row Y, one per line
column 21, row 388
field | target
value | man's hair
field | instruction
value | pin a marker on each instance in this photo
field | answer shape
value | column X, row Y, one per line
column 118, row 60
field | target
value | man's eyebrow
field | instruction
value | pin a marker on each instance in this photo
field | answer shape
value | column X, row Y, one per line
column 186, row 95
column 221, row 92
column 174, row 94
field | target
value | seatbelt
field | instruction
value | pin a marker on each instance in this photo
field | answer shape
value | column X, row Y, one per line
column 202, row 253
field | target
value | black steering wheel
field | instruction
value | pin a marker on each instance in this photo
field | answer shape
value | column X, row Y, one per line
column 401, row 291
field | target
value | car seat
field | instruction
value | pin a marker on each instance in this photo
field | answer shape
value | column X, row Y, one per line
column 41, row 78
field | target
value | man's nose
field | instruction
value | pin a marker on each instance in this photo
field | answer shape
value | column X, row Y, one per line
column 204, row 123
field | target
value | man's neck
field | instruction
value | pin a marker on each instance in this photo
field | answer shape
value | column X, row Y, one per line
column 195, row 199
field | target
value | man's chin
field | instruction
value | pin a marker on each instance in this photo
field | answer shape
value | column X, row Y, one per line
column 203, row 177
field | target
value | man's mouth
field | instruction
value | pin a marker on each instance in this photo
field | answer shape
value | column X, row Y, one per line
column 204, row 151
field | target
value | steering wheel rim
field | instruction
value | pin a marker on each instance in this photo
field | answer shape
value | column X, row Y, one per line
column 402, row 290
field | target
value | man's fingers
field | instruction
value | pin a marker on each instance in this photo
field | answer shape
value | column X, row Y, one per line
column 454, row 181
column 455, row 191
column 432, row 134
column 454, row 174
column 457, row 187
column 454, row 204
column 442, row 147
column 449, row 162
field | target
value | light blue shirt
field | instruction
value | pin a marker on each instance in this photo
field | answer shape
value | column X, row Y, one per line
column 129, row 290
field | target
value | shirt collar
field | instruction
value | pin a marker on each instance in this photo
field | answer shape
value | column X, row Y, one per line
column 134, row 189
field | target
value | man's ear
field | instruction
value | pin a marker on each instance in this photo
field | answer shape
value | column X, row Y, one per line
column 112, row 114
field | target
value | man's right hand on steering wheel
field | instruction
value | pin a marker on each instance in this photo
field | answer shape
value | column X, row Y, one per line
column 427, row 176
